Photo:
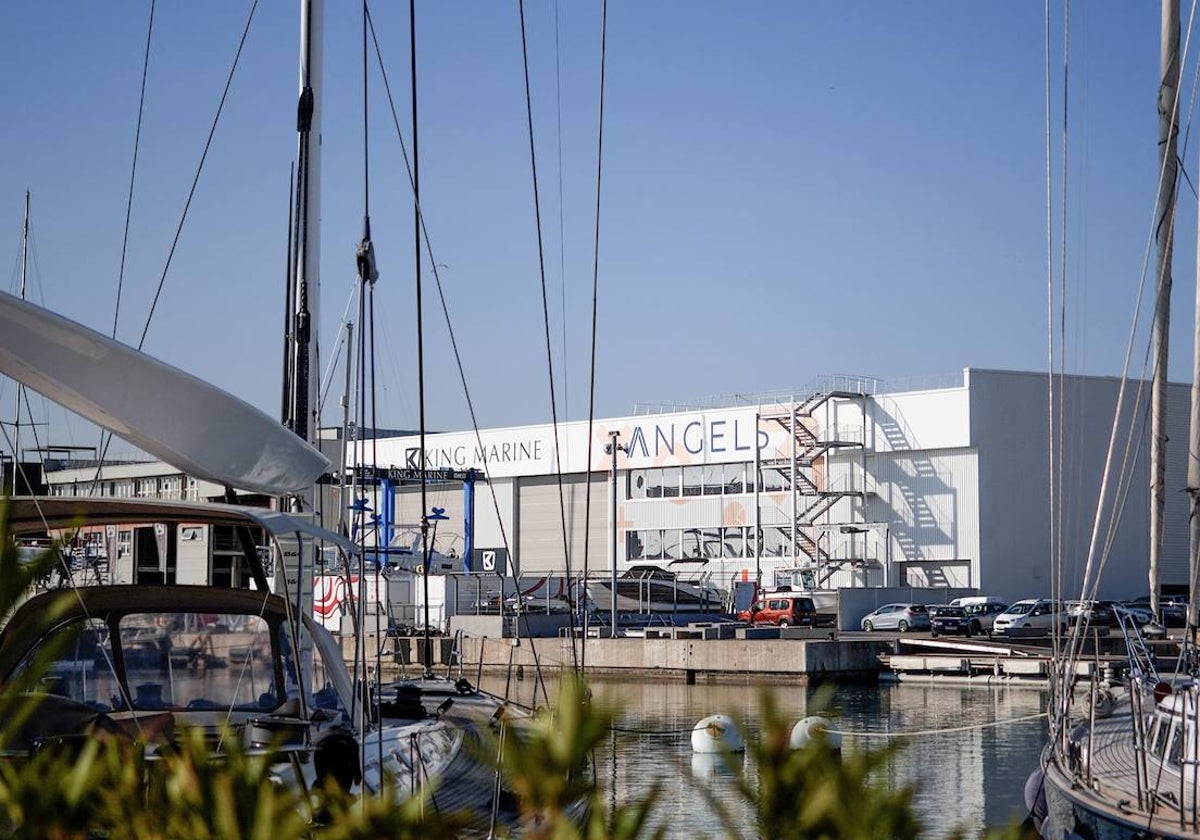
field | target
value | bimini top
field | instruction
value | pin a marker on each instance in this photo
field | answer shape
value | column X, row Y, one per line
column 188, row 423
column 35, row 515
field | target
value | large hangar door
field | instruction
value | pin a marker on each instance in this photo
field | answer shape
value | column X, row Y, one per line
column 540, row 523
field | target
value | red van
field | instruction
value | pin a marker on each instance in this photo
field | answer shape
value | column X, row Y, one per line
column 784, row 609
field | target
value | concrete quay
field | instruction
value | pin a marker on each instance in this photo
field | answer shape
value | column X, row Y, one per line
column 796, row 659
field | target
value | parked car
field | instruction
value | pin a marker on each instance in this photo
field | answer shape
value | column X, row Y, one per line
column 1094, row 613
column 902, row 617
column 1031, row 613
column 945, row 619
column 1174, row 610
column 1138, row 613
column 971, row 600
column 973, row 619
column 782, row 609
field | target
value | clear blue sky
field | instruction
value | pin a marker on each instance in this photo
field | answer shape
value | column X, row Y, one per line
column 790, row 189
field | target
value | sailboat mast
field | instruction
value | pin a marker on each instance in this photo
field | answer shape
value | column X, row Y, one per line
column 1168, row 129
column 20, row 387
column 305, row 367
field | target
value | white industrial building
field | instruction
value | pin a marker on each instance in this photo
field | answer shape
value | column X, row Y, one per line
column 853, row 483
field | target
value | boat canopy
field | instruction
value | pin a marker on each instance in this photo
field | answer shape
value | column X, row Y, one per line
column 188, row 423
column 37, row 515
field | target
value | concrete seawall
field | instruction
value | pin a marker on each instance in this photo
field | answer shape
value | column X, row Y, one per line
column 741, row 660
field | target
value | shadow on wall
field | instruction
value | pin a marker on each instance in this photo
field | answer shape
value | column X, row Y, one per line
column 912, row 479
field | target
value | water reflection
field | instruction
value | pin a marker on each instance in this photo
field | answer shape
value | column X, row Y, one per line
column 968, row 773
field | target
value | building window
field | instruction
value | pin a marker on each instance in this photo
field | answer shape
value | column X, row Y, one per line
column 777, row 541
column 670, row 482
column 671, row 547
column 733, row 542
column 653, row 483
column 775, row 479
column 637, row 485
column 734, row 478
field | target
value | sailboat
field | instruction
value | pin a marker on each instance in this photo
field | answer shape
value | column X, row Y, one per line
column 153, row 658
column 1123, row 757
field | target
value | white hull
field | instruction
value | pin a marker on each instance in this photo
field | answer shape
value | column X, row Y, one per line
column 654, row 596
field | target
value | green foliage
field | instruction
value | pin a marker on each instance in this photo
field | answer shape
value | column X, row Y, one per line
column 548, row 766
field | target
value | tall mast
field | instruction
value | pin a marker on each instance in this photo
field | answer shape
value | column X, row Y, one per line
column 1168, row 129
column 426, row 554
column 305, row 299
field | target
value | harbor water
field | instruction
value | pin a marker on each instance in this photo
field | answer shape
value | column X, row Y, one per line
column 968, row 750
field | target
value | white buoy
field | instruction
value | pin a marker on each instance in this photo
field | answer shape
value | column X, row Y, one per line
column 717, row 734
column 807, row 729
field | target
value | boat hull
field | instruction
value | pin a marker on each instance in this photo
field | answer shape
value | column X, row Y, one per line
column 1075, row 811
column 654, row 596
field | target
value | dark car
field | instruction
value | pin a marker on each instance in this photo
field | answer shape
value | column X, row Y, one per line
column 947, row 620
column 1094, row 614
column 969, row 620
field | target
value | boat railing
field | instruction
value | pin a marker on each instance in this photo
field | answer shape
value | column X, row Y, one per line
column 1142, row 663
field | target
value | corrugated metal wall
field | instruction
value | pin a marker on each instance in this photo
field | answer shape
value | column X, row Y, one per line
column 539, row 544
column 932, row 503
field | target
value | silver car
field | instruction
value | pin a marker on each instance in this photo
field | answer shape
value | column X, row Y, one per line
column 902, row 617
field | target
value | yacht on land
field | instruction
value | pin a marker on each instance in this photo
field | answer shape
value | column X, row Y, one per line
column 647, row 588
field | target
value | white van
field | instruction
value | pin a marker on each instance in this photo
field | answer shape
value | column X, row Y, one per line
column 977, row 599
column 1032, row 613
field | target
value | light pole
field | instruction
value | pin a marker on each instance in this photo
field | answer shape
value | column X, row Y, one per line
column 612, row 448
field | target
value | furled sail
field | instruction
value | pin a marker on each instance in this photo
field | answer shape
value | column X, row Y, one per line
column 188, row 423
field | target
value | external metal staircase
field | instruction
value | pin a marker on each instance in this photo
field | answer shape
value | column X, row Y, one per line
column 806, row 467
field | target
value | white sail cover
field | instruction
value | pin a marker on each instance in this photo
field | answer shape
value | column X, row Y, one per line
column 193, row 426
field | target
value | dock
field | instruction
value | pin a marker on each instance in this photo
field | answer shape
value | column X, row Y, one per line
column 733, row 652
column 717, row 653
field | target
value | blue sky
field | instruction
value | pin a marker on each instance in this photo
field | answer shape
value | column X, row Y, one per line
column 790, row 189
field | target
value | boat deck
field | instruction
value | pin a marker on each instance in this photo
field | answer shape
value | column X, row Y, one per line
column 1103, row 794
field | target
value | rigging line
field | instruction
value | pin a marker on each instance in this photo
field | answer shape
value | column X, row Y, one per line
column 379, row 560
column 366, row 136
column 974, row 727
column 595, row 296
column 415, row 172
column 288, row 274
column 457, row 353
column 1124, row 381
column 183, row 217
column 137, row 137
column 360, row 495
column 562, row 227
column 199, row 169
column 1062, row 298
column 331, row 369
column 1049, row 293
column 537, row 213
column 1187, row 134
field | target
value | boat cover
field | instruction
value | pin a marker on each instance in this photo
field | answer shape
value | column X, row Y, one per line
column 36, row 515
column 188, row 423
